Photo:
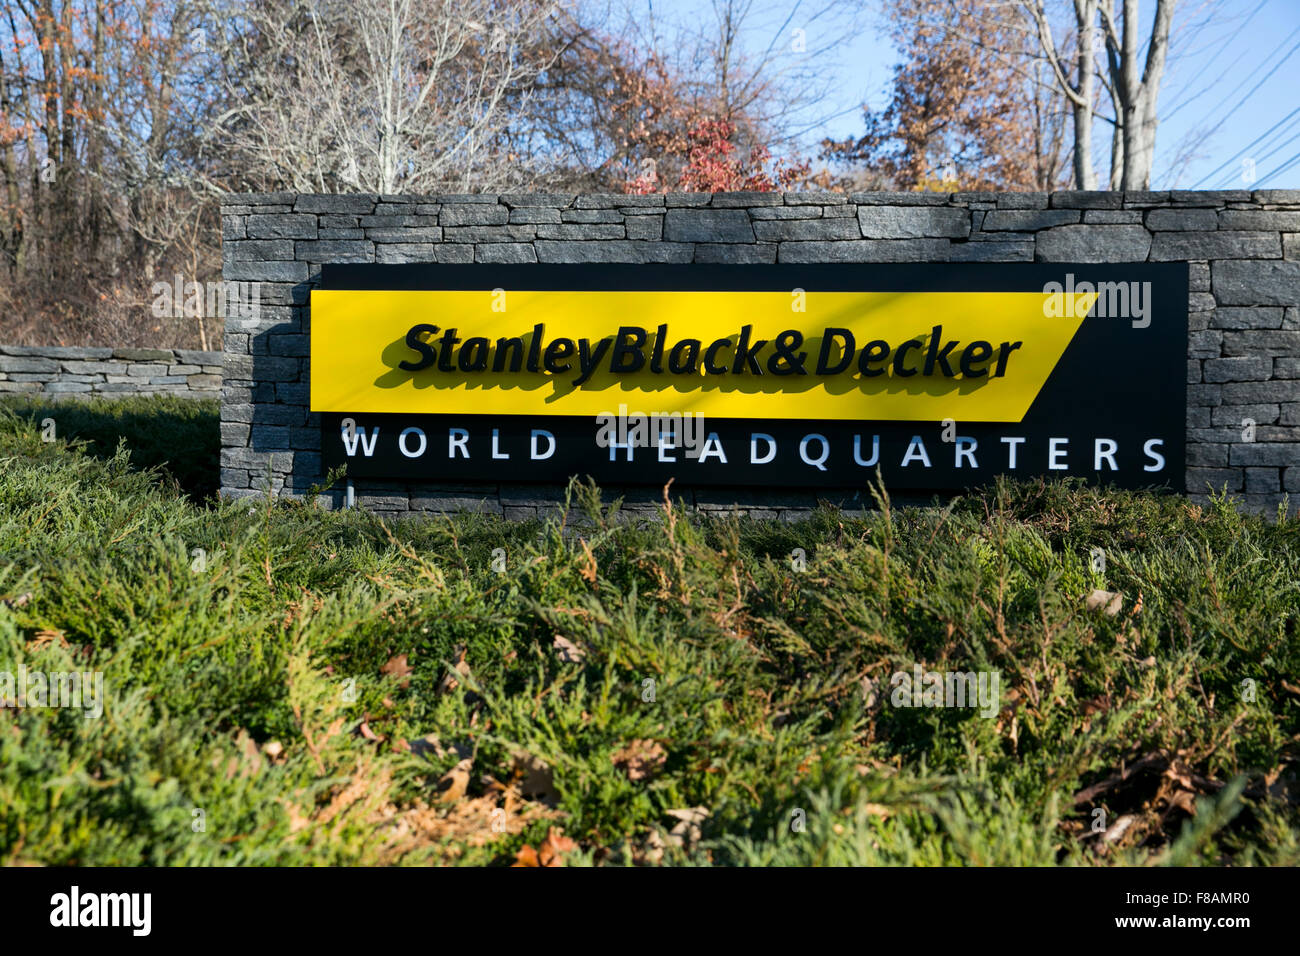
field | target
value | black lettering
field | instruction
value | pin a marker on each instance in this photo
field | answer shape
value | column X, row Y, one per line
column 636, row 358
column 693, row 356
column 785, row 345
column 449, row 341
column 935, row 354
column 902, row 350
column 1004, row 353
column 978, row 351
column 657, row 356
column 846, row 359
column 535, row 347
column 473, row 355
column 745, row 353
column 588, row 358
column 428, row 355
column 556, row 350
column 516, row 348
column 876, row 350
column 711, row 355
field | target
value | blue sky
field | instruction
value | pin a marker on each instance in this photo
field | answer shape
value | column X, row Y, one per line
column 1230, row 91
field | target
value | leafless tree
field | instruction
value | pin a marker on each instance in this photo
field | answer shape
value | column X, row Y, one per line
column 1135, row 84
column 1134, row 67
column 1076, row 83
column 387, row 96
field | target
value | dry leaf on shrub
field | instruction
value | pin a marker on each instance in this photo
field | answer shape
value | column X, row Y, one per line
column 432, row 744
column 534, row 778
column 18, row 600
column 588, row 567
column 297, row 821
column 868, row 689
column 567, row 651
column 249, row 762
column 46, row 636
column 640, row 759
column 651, row 850
column 398, row 667
column 471, row 822
column 549, row 853
column 449, row 681
column 687, row 830
column 452, row 784
column 1118, row 828
column 1108, row 602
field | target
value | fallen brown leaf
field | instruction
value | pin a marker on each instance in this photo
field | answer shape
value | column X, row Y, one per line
column 640, row 759
column 249, row 761
column 1108, row 602
column 527, row 856
column 651, row 851
column 452, row 784
column 449, row 681
column 567, row 651
column 1118, row 828
column 398, row 667
column 550, row 852
column 687, row 830
column 534, row 778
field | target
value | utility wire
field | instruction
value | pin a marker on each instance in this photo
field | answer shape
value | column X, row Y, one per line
column 1226, row 180
column 1262, row 63
column 1258, row 160
column 1246, row 148
column 1285, row 167
column 1252, row 91
column 1192, row 98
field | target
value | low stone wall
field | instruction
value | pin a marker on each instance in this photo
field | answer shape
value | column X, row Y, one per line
column 85, row 372
column 1243, row 249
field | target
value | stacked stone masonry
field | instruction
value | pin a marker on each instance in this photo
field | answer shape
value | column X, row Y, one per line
column 83, row 372
column 1243, row 361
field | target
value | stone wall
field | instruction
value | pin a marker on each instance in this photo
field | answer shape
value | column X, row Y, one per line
column 91, row 372
column 1244, row 328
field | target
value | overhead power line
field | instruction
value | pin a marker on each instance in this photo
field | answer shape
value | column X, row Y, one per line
column 1253, row 89
column 1285, row 167
column 1192, row 98
column 1257, row 156
column 1250, row 76
column 1245, row 149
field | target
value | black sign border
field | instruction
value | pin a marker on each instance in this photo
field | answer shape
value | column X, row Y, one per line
column 1091, row 379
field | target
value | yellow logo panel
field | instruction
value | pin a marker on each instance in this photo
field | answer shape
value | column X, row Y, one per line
column 892, row 356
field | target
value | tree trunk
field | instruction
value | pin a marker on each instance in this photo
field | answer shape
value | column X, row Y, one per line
column 13, row 239
column 1084, row 175
column 1117, row 155
column 1136, row 95
column 65, row 190
column 49, row 175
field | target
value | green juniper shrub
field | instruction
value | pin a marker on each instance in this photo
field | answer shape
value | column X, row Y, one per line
column 288, row 685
